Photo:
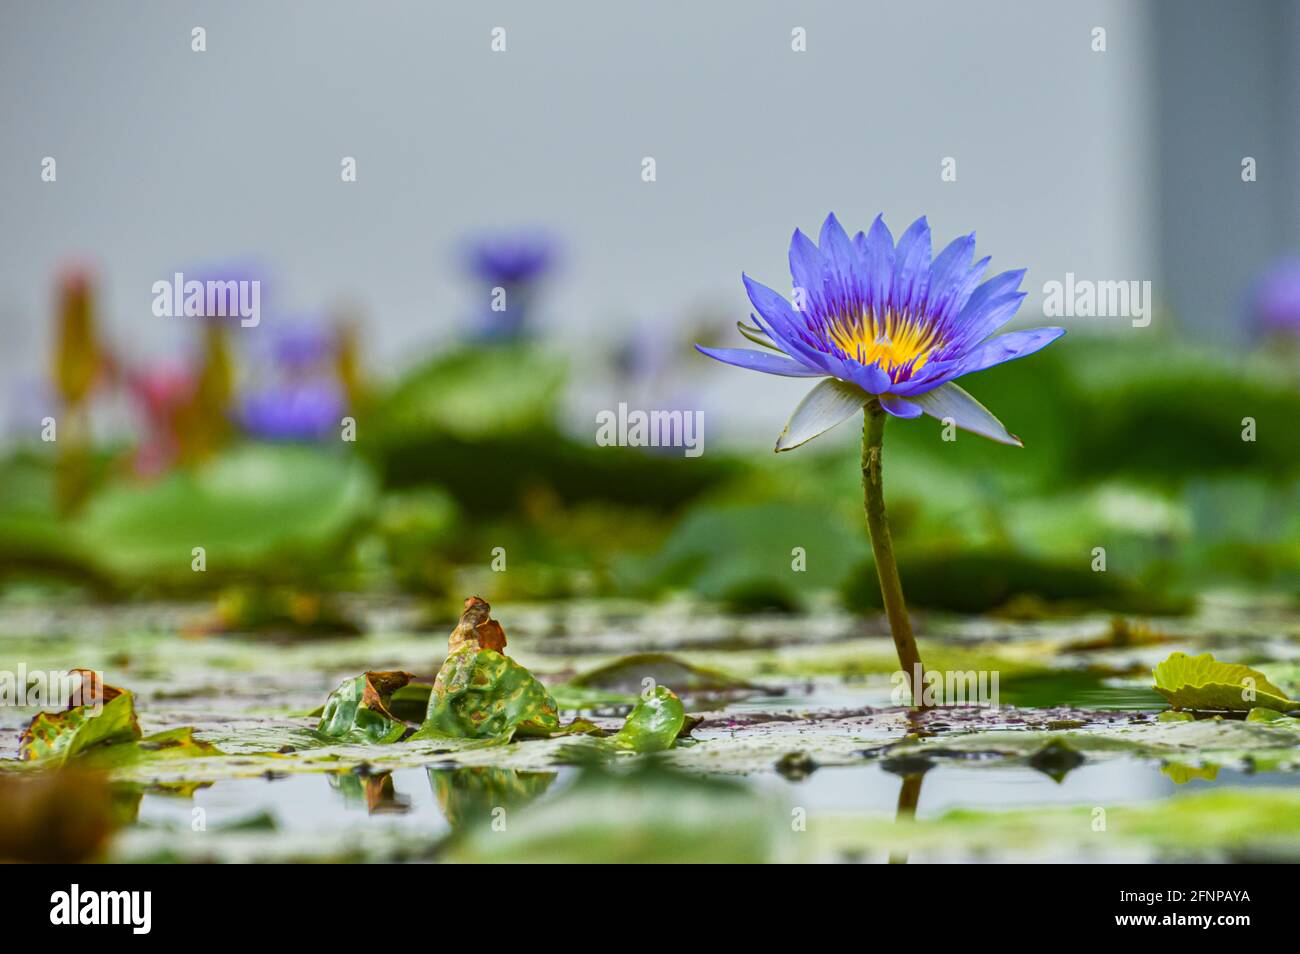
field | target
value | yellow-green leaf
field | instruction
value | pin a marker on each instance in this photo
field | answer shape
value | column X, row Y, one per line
column 1204, row 683
column 61, row 736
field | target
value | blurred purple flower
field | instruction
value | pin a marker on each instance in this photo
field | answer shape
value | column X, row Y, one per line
column 1274, row 299
column 512, row 259
column 513, row 263
column 296, row 411
column 302, row 345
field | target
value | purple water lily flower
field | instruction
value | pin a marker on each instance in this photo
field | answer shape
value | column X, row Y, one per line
column 513, row 263
column 511, row 259
column 1275, row 299
column 879, row 320
column 302, row 345
column 296, row 411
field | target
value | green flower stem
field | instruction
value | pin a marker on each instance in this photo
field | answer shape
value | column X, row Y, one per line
column 891, row 588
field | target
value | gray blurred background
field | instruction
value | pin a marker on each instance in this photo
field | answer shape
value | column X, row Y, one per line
column 1116, row 165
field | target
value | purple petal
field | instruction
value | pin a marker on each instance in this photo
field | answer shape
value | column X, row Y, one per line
column 782, row 323
column 952, row 304
column 900, row 408
column 807, row 269
column 839, row 252
column 867, row 376
column 948, row 272
column 995, row 351
column 1008, row 347
column 978, row 324
column 877, row 253
column 760, row 361
column 912, row 266
column 996, row 287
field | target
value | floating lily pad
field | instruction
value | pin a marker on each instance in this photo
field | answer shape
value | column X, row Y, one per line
column 105, row 737
column 358, row 710
column 475, row 392
column 1204, row 683
column 264, row 512
column 753, row 556
column 481, row 694
column 977, row 581
column 653, row 725
column 60, row 736
column 622, row 680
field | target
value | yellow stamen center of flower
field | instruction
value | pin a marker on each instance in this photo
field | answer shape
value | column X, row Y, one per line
column 889, row 344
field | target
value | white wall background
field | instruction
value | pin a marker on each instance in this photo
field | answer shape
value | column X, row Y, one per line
column 168, row 158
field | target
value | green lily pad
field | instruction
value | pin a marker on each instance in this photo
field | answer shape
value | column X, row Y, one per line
column 621, row 681
column 982, row 580
column 1204, row 683
column 628, row 673
column 60, row 736
column 263, row 512
column 358, row 710
column 475, row 392
column 481, row 694
column 105, row 739
column 752, row 556
column 653, row 725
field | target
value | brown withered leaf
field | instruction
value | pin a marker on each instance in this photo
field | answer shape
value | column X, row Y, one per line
column 378, row 688
column 477, row 629
column 93, row 689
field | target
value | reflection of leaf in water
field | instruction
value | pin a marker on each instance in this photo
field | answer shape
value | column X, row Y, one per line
column 1204, row 683
column 1056, row 759
column 1255, row 745
column 1181, row 774
column 375, row 791
column 469, row 795
column 647, row 815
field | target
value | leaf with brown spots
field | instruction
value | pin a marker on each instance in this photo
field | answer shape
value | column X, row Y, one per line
column 359, row 708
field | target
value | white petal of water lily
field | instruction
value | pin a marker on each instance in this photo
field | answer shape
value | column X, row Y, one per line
column 950, row 401
column 831, row 402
